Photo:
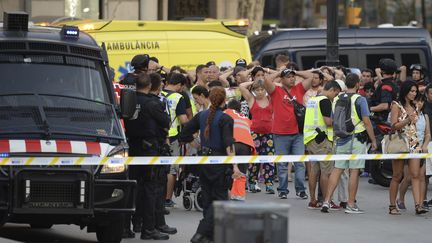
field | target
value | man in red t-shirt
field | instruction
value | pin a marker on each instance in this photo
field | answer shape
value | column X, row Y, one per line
column 287, row 137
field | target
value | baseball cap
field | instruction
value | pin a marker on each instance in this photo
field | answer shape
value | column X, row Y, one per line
column 287, row 71
column 241, row 62
column 140, row 61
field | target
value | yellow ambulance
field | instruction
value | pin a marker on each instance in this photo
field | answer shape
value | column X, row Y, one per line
column 183, row 43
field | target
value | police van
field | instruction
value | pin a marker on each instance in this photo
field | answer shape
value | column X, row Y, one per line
column 358, row 47
column 183, row 43
column 57, row 101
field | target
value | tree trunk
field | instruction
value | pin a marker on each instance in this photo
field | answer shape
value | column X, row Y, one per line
column 253, row 10
column 292, row 12
column 382, row 12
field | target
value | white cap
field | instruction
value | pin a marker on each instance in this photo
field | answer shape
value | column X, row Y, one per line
column 341, row 84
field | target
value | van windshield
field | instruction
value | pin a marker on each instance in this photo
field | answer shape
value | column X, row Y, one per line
column 52, row 74
column 53, row 96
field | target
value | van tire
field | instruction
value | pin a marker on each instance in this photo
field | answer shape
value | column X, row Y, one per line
column 381, row 173
column 112, row 232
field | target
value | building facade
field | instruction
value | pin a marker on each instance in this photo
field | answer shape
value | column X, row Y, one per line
column 49, row 10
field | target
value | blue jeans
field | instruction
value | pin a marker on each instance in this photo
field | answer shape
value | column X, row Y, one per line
column 290, row 145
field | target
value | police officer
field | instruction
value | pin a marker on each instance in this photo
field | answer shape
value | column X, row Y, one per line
column 146, row 137
column 386, row 91
column 140, row 64
column 216, row 133
column 418, row 75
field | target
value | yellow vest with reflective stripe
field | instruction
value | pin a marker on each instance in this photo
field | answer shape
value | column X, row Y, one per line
column 359, row 125
column 314, row 119
column 173, row 100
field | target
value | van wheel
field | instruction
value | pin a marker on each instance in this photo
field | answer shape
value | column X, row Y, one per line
column 41, row 225
column 3, row 218
column 381, row 172
column 112, row 232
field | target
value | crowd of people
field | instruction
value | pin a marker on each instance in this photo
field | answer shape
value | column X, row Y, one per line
column 253, row 110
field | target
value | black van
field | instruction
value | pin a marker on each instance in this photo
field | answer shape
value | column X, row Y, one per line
column 358, row 47
column 57, row 103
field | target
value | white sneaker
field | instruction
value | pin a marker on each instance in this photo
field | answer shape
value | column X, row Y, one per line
column 257, row 188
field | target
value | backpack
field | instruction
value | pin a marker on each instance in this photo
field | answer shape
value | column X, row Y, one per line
column 342, row 123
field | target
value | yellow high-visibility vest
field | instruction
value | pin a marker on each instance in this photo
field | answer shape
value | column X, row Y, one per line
column 173, row 100
column 314, row 119
column 355, row 117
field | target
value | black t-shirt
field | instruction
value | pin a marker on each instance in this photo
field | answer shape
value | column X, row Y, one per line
column 181, row 105
column 385, row 93
column 326, row 107
column 186, row 99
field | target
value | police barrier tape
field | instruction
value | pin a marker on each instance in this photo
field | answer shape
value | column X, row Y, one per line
column 198, row 160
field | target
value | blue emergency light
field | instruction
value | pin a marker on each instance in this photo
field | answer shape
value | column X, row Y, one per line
column 70, row 32
column 4, row 155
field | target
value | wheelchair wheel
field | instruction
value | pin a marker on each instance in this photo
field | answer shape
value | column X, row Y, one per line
column 187, row 202
column 198, row 202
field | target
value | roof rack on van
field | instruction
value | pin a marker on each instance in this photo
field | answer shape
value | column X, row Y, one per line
column 232, row 27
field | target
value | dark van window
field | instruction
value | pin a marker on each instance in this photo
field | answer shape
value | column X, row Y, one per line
column 309, row 62
column 372, row 60
column 410, row 58
column 267, row 60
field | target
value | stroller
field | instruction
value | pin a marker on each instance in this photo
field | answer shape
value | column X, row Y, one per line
column 189, row 183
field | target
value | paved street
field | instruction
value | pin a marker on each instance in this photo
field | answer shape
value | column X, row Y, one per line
column 305, row 225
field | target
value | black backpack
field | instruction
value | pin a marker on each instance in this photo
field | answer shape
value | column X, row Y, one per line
column 342, row 122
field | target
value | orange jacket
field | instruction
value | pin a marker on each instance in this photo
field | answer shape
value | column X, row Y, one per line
column 242, row 132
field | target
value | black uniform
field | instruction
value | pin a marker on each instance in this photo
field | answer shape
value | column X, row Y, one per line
column 146, row 137
column 215, row 179
column 386, row 92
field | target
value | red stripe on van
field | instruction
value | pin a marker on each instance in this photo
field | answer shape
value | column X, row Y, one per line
column 33, row 146
column 93, row 148
column 64, row 146
column 4, row 146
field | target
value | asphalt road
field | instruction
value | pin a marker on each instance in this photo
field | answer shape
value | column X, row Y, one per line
column 305, row 226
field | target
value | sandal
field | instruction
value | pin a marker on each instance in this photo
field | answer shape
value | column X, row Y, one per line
column 419, row 209
column 393, row 210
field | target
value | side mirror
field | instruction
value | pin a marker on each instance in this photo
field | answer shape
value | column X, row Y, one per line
column 128, row 103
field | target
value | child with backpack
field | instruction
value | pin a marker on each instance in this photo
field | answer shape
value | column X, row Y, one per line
column 352, row 127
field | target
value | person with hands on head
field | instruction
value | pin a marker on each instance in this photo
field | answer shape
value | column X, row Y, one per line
column 261, row 110
column 217, row 139
column 386, row 92
column 281, row 61
column 287, row 135
column 316, row 86
column 155, row 67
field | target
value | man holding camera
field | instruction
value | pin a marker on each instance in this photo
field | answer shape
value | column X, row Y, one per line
column 318, row 137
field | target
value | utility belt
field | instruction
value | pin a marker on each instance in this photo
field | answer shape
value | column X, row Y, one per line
column 160, row 147
column 206, row 151
column 362, row 137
